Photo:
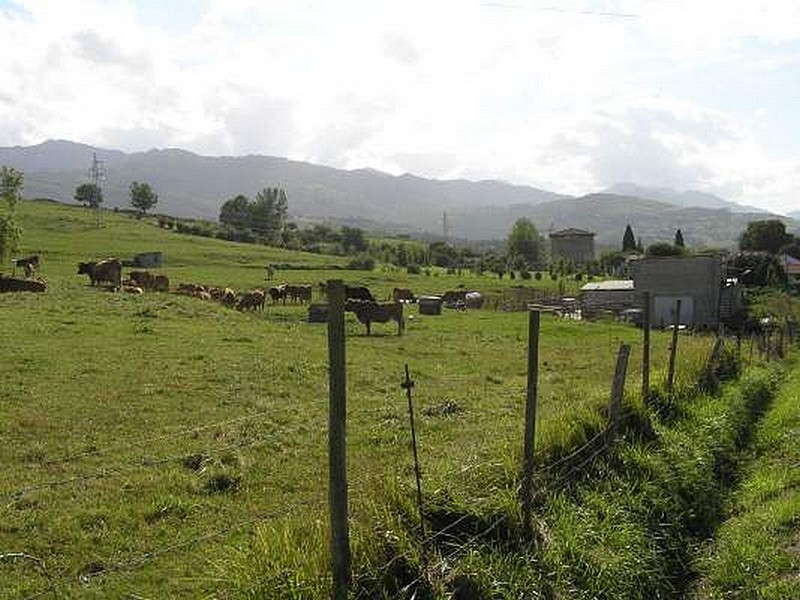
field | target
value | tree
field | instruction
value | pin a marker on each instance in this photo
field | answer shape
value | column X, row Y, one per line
column 236, row 212
column 524, row 241
column 268, row 212
column 665, row 249
column 142, row 197
column 11, row 182
column 353, row 239
column 765, row 236
column 89, row 194
column 628, row 240
column 679, row 239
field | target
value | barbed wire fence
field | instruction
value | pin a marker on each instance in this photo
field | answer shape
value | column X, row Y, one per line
column 550, row 479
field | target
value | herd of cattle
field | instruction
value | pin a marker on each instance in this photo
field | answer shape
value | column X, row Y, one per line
column 359, row 300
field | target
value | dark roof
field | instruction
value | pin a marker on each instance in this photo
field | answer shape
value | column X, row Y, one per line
column 572, row 232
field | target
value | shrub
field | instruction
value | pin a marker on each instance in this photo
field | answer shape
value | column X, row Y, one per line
column 538, row 276
column 362, row 262
column 413, row 269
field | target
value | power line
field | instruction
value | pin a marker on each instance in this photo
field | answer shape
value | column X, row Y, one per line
column 566, row 11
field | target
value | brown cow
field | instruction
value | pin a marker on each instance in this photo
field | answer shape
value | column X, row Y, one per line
column 12, row 284
column 161, row 283
column 191, row 289
column 367, row 311
column 142, row 279
column 254, row 300
column 109, row 271
column 403, row 295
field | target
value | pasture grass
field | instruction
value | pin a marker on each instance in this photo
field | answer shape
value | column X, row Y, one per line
column 137, row 428
column 755, row 553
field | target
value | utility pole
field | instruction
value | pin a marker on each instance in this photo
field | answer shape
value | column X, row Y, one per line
column 97, row 173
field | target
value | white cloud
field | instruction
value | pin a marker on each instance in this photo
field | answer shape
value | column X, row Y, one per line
column 559, row 99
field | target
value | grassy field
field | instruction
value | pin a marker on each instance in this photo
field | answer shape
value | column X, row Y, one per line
column 756, row 550
column 133, row 426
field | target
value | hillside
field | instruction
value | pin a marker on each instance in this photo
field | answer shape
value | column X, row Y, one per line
column 691, row 198
column 192, row 185
column 607, row 215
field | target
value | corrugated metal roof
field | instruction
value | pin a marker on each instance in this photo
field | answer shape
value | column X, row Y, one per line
column 792, row 265
column 617, row 285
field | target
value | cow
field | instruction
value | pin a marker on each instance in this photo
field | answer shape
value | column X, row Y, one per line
column 142, row 279
column 462, row 299
column 29, row 265
column 278, row 293
column 299, row 293
column 358, row 292
column 109, row 271
column 473, row 300
column 254, row 300
column 403, row 295
column 228, row 297
column 191, row 289
column 367, row 311
column 161, row 283
column 12, row 284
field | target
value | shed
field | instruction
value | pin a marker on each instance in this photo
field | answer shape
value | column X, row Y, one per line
column 792, row 267
column 697, row 281
column 615, row 296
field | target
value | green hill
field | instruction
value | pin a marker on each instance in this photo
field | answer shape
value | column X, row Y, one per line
column 607, row 215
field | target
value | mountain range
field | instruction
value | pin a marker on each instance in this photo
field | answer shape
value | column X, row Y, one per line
column 192, row 185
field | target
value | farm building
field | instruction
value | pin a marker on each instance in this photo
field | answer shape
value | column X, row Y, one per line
column 792, row 267
column 707, row 296
column 572, row 244
column 612, row 296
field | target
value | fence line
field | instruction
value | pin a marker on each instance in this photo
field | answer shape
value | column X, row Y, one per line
column 451, row 555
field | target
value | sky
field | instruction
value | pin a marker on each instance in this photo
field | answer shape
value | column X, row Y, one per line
column 571, row 96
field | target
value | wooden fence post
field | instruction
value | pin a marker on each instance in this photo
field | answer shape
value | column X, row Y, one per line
column 530, row 417
column 673, row 349
column 617, row 389
column 337, row 441
column 709, row 380
column 646, row 348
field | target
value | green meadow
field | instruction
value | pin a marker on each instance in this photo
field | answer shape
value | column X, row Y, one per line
column 155, row 446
